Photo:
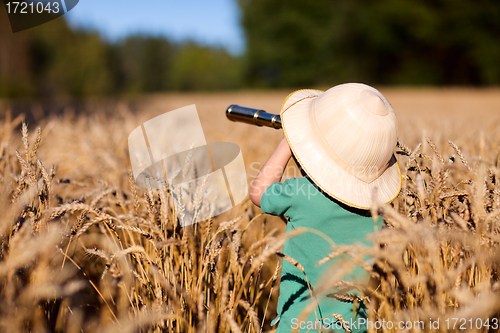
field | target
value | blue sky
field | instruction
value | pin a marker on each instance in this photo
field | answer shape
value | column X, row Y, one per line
column 212, row 22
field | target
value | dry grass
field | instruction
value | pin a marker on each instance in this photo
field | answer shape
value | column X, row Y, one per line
column 84, row 249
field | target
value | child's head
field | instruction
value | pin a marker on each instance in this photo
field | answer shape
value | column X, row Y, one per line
column 344, row 140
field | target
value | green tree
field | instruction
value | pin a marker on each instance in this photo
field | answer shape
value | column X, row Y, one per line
column 324, row 42
column 144, row 64
column 78, row 66
column 198, row 67
column 52, row 60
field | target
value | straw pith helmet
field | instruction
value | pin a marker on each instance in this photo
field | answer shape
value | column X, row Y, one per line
column 344, row 139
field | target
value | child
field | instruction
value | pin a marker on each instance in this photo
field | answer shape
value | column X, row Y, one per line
column 343, row 141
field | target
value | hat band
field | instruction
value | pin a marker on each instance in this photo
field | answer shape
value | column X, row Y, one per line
column 365, row 174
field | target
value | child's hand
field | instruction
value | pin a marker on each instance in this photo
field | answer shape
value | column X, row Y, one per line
column 271, row 171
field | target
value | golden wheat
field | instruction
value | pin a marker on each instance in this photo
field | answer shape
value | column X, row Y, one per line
column 84, row 249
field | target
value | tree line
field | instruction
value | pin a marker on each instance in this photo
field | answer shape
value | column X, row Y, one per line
column 289, row 44
column 389, row 42
column 53, row 60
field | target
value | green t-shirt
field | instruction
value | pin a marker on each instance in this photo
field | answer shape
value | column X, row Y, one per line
column 305, row 206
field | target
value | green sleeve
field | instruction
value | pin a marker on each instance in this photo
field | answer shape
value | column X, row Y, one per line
column 277, row 199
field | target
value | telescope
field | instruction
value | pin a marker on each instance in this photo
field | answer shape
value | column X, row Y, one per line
column 251, row 116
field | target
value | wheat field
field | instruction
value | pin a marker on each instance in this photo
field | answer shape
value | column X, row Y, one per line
column 83, row 249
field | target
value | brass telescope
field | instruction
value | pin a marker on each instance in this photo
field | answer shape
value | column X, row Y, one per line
column 251, row 116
